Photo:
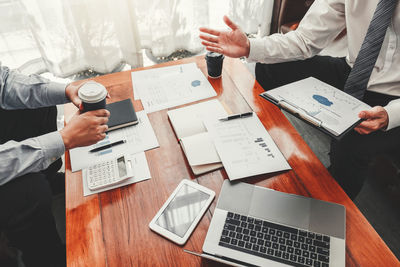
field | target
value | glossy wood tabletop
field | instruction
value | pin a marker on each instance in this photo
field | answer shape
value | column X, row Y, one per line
column 111, row 228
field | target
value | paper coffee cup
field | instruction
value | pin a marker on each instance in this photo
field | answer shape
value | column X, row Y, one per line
column 93, row 96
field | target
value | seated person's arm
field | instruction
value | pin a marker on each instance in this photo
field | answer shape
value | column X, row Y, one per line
column 323, row 22
column 36, row 154
column 18, row 91
column 320, row 26
column 31, row 155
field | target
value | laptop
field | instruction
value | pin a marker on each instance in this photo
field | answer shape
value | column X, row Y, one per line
column 257, row 226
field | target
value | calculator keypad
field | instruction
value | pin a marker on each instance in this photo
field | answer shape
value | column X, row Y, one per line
column 103, row 174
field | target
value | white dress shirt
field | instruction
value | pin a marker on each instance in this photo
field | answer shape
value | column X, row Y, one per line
column 34, row 154
column 323, row 22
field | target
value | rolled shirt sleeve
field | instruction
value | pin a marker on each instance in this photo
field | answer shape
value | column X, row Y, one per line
column 19, row 91
column 31, row 155
column 393, row 110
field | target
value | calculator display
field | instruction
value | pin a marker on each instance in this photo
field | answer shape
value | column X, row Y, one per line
column 121, row 166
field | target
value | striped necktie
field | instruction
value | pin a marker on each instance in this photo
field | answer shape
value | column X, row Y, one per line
column 357, row 81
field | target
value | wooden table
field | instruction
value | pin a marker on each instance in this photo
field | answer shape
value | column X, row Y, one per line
column 111, row 228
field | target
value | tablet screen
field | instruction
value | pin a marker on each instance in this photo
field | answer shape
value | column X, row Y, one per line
column 182, row 210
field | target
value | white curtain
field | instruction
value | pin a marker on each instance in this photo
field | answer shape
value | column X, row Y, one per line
column 75, row 35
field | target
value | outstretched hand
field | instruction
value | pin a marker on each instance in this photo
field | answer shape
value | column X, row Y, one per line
column 374, row 119
column 232, row 43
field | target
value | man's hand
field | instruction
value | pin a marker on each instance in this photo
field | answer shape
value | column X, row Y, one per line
column 85, row 129
column 375, row 119
column 230, row 43
column 71, row 91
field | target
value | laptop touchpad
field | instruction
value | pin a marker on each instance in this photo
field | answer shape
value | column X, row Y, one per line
column 236, row 197
column 276, row 206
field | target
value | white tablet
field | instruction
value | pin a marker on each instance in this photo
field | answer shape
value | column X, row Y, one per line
column 182, row 211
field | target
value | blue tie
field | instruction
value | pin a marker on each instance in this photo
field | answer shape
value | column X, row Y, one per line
column 357, row 81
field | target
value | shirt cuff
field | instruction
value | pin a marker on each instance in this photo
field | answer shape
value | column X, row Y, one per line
column 256, row 49
column 52, row 146
column 393, row 111
column 56, row 92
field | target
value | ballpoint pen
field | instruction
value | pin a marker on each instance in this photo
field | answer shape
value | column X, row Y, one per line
column 97, row 149
column 236, row 116
column 300, row 112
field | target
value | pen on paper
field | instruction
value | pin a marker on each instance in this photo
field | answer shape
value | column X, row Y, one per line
column 300, row 111
column 237, row 116
column 97, row 149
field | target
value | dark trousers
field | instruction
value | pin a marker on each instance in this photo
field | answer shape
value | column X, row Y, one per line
column 351, row 156
column 26, row 218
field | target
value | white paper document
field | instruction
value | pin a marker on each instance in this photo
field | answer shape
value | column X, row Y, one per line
column 139, row 137
column 320, row 104
column 141, row 170
column 166, row 87
column 245, row 147
column 188, row 121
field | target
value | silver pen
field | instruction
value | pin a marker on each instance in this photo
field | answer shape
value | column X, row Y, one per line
column 300, row 111
column 237, row 116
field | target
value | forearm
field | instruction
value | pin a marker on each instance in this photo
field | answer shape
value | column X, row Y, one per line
column 322, row 23
column 30, row 155
column 19, row 91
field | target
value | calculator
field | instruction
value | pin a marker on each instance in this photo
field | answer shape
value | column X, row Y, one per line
column 110, row 172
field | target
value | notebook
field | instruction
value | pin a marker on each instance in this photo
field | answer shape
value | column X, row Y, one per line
column 257, row 226
column 122, row 114
column 195, row 141
column 321, row 105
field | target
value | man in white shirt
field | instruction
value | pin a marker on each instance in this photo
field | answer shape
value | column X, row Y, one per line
column 284, row 58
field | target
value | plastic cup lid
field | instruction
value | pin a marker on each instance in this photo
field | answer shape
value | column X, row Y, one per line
column 214, row 55
column 92, row 92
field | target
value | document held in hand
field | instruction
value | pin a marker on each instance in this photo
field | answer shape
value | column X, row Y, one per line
column 322, row 105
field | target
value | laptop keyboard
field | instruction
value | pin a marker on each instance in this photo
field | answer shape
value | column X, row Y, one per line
column 275, row 242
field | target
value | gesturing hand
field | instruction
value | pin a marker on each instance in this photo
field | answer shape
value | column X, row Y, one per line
column 232, row 43
column 85, row 129
column 375, row 119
